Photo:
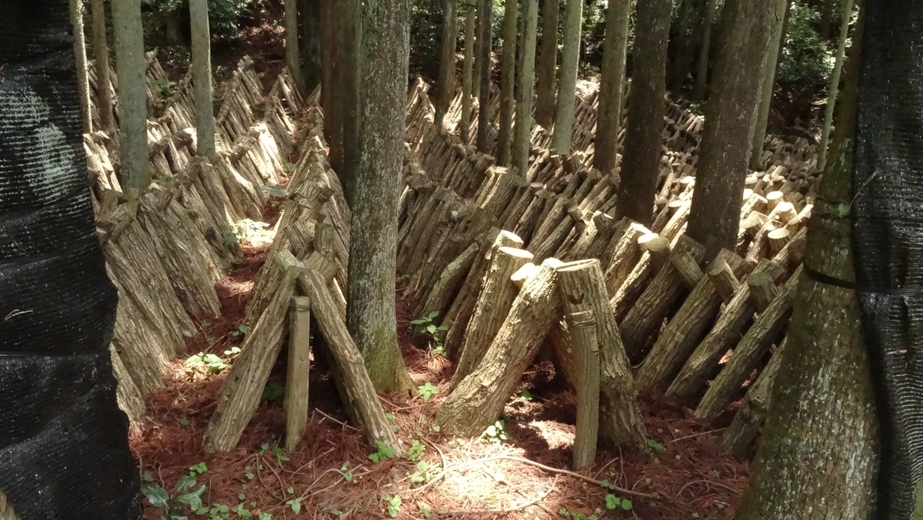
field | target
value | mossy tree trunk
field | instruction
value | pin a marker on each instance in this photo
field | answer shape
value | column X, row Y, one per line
column 101, row 52
column 611, row 86
column 202, row 77
column 80, row 55
column 507, row 83
column 130, row 66
column 641, row 161
column 714, row 217
column 567, row 77
column 373, row 232
column 446, row 83
column 547, row 63
column 770, row 60
column 818, row 456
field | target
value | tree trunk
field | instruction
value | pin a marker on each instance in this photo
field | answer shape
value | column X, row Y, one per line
column 352, row 74
column 311, row 43
column 130, row 66
column 373, row 231
column 80, row 54
column 567, row 77
column 776, row 20
column 524, row 94
column 507, row 83
column 834, row 86
column 446, row 83
column 202, row 77
column 821, row 434
column 701, row 77
column 467, row 76
column 611, row 86
column 101, row 51
column 485, row 36
column 582, row 326
column 547, row 63
column 292, row 58
column 729, row 114
column 679, row 66
column 641, row 162
column 331, row 71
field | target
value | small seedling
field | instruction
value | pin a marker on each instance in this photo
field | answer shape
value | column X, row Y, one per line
column 654, row 446
column 187, row 494
column 347, row 474
column 424, row 510
column 416, row 451
column 336, row 512
column 202, row 362
column 390, row 417
column 295, row 504
column 424, row 472
column 241, row 330
column 183, row 422
column 426, row 327
column 394, row 505
column 384, row 452
column 525, row 395
column 427, row 390
column 497, row 431
column 614, row 502
column 576, row 515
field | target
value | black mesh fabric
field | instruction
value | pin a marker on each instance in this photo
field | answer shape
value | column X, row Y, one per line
column 63, row 440
column 888, row 238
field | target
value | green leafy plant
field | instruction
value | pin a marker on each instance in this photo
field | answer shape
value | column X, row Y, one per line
column 273, row 391
column 426, row 326
column 384, row 452
column 424, row 472
column 497, row 431
column 576, row 515
column 525, row 395
column 427, row 390
column 241, row 330
column 187, row 494
column 425, row 511
column 275, row 450
column 394, row 505
column 614, row 502
column 204, row 363
column 806, row 59
column 654, row 446
column 416, row 451
column 295, row 504
column 347, row 474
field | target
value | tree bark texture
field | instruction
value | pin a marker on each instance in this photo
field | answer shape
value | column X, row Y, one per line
column 611, row 86
column 567, row 77
column 507, row 83
column 485, row 45
column 701, row 77
column 526, row 91
column 445, row 84
column 80, row 55
column 547, row 64
column 355, row 58
column 130, row 67
column 582, row 327
column 331, row 71
column 292, row 57
column 770, row 60
column 834, row 86
column 311, row 43
column 101, row 52
column 819, row 450
column 730, row 112
column 373, row 231
column 202, row 77
column 467, row 76
column 646, row 105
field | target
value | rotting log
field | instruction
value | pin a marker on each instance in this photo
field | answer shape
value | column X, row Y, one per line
column 682, row 333
column 582, row 327
column 448, row 283
column 754, row 344
column 479, row 399
column 296, row 379
column 738, row 312
column 492, row 305
column 459, row 313
column 648, row 312
column 239, row 396
column 582, row 288
column 360, row 394
column 754, row 407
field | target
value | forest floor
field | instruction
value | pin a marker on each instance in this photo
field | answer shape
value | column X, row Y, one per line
column 517, row 472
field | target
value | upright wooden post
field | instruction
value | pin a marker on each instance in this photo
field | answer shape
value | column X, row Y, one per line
column 586, row 357
column 296, row 380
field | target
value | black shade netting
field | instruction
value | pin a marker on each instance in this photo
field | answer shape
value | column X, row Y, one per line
column 63, row 440
column 887, row 216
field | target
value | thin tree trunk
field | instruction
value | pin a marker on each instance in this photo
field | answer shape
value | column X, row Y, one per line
column 292, row 58
column 701, row 77
column 101, row 51
column 785, row 20
column 777, row 20
column 373, row 232
column 130, row 66
column 678, row 68
column 567, row 80
column 446, row 82
column 507, row 83
column 522, row 144
column 547, row 63
column 351, row 76
column 714, row 217
column 468, row 75
column 202, row 77
column 821, row 434
column 80, row 54
column 834, row 85
column 484, row 38
column 478, row 45
column 311, row 43
column 612, row 86
column 641, row 161
column 331, row 101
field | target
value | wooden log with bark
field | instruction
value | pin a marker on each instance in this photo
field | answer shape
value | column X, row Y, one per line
column 582, row 327
column 479, row 399
column 754, row 345
column 656, row 252
column 682, row 333
column 737, row 313
column 448, row 283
